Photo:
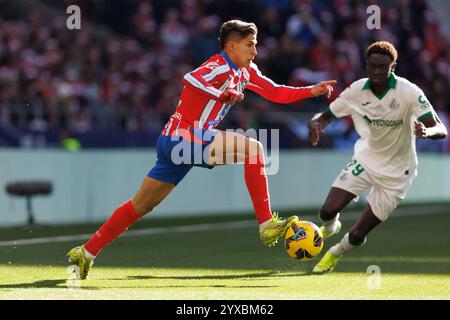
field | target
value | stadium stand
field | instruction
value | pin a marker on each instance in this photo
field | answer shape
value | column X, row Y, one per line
column 115, row 82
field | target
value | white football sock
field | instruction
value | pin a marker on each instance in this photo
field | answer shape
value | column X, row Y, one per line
column 342, row 247
column 263, row 225
column 330, row 225
column 88, row 255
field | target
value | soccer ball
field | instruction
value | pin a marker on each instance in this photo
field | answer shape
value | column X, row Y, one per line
column 303, row 240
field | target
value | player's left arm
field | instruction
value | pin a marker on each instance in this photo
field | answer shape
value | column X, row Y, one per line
column 430, row 127
column 428, row 124
column 285, row 94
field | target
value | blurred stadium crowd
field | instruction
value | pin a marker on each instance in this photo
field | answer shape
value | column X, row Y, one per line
column 118, row 78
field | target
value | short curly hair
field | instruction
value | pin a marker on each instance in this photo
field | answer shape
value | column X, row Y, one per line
column 382, row 47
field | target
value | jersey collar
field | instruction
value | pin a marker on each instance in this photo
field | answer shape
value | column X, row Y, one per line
column 228, row 60
column 391, row 85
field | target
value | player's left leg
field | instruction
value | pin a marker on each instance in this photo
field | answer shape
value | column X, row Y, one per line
column 355, row 238
column 150, row 194
column 230, row 147
column 350, row 183
column 157, row 185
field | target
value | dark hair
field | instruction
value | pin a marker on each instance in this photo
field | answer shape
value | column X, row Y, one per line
column 383, row 47
column 238, row 28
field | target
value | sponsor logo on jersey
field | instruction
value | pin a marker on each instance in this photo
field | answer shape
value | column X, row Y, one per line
column 367, row 119
column 384, row 123
column 423, row 102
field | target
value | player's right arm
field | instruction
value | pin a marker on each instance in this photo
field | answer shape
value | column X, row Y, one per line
column 200, row 81
column 277, row 93
column 337, row 109
column 317, row 126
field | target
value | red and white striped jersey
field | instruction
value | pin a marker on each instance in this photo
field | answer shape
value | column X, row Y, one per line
column 199, row 105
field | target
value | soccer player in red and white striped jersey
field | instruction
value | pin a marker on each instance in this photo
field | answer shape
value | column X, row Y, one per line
column 203, row 99
column 208, row 94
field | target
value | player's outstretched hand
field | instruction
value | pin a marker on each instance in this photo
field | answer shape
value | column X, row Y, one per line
column 420, row 130
column 231, row 96
column 315, row 130
column 323, row 87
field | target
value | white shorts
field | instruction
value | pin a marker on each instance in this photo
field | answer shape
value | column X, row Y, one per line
column 383, row 198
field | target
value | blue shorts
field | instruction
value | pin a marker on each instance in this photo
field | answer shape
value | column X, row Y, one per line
column 177, row 155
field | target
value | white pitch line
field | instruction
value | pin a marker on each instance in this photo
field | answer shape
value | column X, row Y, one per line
column 349, row 215
column 137, row 233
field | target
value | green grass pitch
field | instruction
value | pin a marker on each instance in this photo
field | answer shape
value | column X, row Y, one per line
column 411, row 252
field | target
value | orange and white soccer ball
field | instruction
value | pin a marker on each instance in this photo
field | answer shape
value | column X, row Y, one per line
column 303, row 240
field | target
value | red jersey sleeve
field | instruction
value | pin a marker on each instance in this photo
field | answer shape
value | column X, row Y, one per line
column 275, row 92
column 200, row 79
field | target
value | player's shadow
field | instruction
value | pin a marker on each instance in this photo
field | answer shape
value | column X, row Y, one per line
column 249, row 276
column 63, row 284
column 48, row 284
column 191, row 286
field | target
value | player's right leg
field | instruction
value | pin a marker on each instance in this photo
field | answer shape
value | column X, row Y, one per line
column 381, row 202
column 230, row 147
column 337, row 199
column 350, row 183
